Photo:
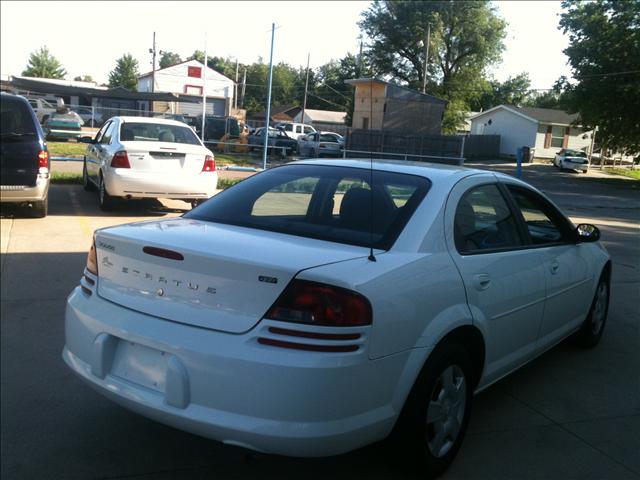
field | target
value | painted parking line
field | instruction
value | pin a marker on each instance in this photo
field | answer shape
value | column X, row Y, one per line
column 82, row 220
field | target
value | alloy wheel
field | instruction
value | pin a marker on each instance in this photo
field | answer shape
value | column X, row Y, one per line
column 446, row 410
column 600, row 308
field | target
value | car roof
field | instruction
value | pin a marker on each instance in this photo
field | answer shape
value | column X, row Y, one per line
column 163, row 121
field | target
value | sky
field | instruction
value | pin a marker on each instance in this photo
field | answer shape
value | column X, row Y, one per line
column 88, row 37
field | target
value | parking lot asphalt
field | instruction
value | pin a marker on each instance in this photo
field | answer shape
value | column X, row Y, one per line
column 569, row 414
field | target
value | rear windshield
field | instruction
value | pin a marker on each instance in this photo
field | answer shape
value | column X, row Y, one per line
column 15, row 118
column 157, row 132
column 320, row 201
column 576, row 153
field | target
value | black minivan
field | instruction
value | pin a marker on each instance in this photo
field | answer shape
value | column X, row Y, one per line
column 24, row 159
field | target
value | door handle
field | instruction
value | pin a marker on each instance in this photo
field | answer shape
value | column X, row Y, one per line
column 555, row 265
column 482, row 281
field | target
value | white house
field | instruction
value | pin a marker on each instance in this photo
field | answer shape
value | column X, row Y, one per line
column 186, row 79
column 544, row 129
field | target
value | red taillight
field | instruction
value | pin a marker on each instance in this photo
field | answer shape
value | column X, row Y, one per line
column 92, row 259
column 43, row 159
column 209, row 164
column 314, row 303
column 120, row 160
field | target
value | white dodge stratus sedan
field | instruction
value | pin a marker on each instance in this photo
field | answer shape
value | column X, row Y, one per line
column 324, row 305
column 138, row 157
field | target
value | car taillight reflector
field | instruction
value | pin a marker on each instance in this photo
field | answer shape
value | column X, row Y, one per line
column 314, row 303
column 309, row 347
column 92, row 259
column 209, row 164
column 120, row 160
column 43, row 159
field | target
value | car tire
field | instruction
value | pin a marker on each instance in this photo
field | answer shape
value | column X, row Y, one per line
column 41, row 208
column 87, row 184
column 434, row 420
column 592, row 328
column 105, row 201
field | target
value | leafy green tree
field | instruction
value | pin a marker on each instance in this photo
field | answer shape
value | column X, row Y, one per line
column 83, row 78
column 125, row 74
column 555, row 98
column 44, row 65
column 168, row 59
column 465, row 38
column 604, row 54
column 513, row 91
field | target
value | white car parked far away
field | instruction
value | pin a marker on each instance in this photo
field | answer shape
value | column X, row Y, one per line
column 138, row 157
column 571, row 159
column 282, row 316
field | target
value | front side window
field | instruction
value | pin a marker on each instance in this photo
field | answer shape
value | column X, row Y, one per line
column 544, row 224
column 321, row 201
column 308, row 130
column 483, row 221
column 157, row 132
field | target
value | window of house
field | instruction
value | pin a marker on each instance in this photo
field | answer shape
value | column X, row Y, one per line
column 195, row 72
column 365, row 123
column 557, row 136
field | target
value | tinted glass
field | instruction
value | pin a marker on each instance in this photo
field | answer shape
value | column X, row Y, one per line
column 157, row 132
column 328, row 138
column 108, row 133
column 483, row 221
column 323, row 202
column 308, row 129
column 543, row 223
column 15, row 119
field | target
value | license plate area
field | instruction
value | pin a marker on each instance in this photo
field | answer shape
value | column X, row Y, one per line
column 141, row 365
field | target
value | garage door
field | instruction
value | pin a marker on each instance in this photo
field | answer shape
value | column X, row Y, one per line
column 215, row 106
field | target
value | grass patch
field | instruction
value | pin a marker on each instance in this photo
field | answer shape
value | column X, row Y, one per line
column 66, row 177
column 66, row 149
column 228, row 159
column 224, row 183
column 635, row 174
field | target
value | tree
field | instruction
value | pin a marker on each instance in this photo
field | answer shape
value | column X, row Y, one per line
column 83, row 78
column 466, row 37
column 44, row 65
column 513, row 91
column 168, row 59
column 125, row 74
column 604, row 54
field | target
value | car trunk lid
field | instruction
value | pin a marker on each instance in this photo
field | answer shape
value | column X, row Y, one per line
column 165, row 157
column 200, row 273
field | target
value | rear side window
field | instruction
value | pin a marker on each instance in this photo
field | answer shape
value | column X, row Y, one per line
column 16, row 119
column 321, row 201
column 483, row 221
column 157, row 132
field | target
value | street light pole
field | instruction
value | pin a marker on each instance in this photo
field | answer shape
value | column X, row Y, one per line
column 266, row 128
column 153, row 64
column 306, row 87
column 426, row 58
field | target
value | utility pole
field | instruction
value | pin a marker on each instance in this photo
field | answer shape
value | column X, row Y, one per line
column 426, row 58
column 593, row 140
column 204, row 88
column 306, row 87
column 152, row 51
column 235, row 88
column 244, row 86
column 360, row 58
column 266, row 127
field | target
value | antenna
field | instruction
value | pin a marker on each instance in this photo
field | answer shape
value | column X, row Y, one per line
column 371, row 257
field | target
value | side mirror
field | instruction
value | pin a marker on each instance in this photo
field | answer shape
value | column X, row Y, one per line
column 86, row 140
column 585, row 232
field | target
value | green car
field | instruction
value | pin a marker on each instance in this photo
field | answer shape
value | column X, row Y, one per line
column 62, row 126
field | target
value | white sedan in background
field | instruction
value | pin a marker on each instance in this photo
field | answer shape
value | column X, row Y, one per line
column 139, row 157
column 571, row 159
column 282, row 316
column 317, row 144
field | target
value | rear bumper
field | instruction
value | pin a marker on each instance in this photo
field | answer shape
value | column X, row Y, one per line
column 125, row 182
column 24, row 194
column 232, row 389
column 575, row 165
